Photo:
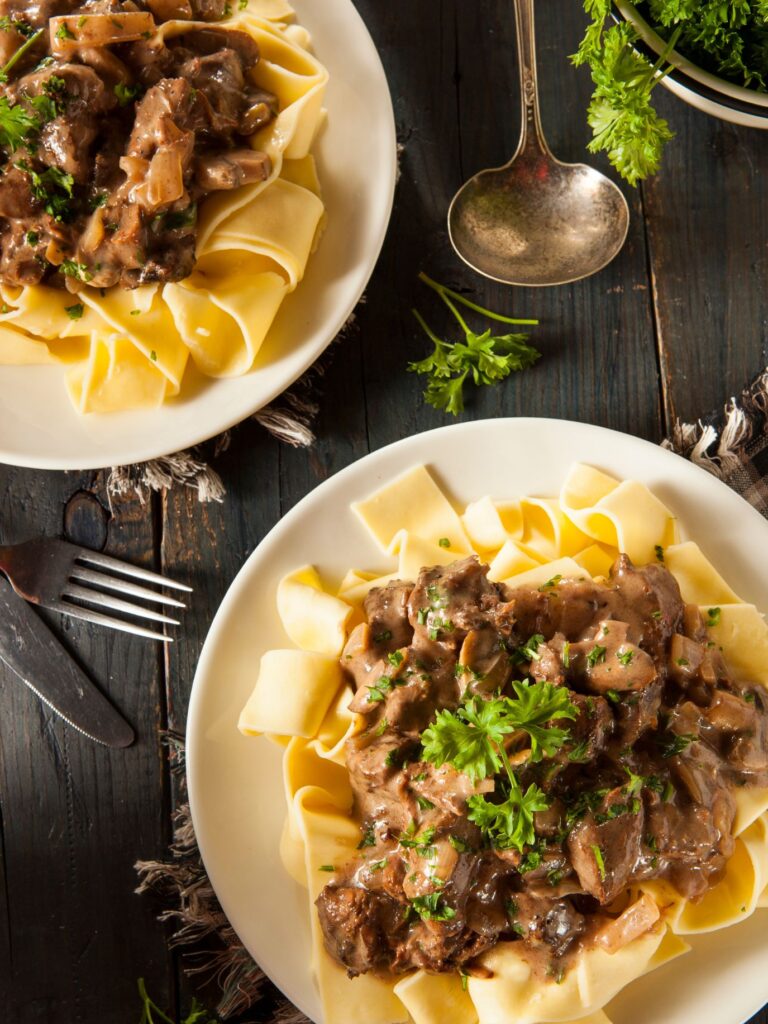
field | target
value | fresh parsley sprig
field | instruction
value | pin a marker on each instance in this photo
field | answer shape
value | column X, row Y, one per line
column 472, row 740
column 152, row 1014
column 621, row 115
column 482, row 358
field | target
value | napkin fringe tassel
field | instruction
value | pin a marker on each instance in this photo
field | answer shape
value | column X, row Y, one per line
column 202, row 932
column 719, row 447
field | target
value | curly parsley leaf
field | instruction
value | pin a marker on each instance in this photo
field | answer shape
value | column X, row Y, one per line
column 16, row 124
column 482, row 358
column 432, row 908
column 509, row 824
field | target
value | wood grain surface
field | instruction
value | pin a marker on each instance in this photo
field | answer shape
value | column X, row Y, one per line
column 672, row 328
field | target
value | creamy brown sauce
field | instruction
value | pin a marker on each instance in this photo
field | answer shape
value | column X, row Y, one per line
column 654, row 701
column 114, row 136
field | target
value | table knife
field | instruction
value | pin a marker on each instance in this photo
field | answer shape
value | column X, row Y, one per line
column 31, row 650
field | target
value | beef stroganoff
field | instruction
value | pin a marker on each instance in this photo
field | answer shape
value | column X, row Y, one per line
column 525, row 764
column 158, row 197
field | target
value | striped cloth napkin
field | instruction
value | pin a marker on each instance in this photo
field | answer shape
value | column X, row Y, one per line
column 732, row 444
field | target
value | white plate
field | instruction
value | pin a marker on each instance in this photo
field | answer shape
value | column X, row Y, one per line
column 358, row 165
column 235, row 783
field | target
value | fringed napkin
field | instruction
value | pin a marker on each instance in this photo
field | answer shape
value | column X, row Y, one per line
column 732, row 445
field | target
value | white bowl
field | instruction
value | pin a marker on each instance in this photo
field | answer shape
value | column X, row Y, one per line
column 699, row 88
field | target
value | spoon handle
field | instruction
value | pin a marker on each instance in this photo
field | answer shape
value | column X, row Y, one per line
column 531, row 134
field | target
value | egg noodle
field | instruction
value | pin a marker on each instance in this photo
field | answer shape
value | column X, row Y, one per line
column 301, row 699
column 130, row 348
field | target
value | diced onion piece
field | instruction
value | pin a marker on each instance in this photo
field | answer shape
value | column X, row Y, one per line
column 637, row 919
column 165, row 180
column 93, row 235
column 72, row 30
column 54, row 253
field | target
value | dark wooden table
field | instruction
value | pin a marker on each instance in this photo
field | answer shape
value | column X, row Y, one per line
column 673, row 327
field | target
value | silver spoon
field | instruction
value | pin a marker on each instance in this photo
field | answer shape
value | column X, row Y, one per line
column 537, row 221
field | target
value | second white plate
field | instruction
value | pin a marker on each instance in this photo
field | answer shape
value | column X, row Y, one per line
column 235, row 784
column 357, row 162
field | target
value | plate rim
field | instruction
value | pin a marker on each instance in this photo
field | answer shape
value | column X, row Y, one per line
column 194, row 727
column 72, row 463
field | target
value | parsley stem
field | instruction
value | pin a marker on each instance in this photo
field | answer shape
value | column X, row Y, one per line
column 427, row 329
column 149, row 1007
column 15, row 57
column 443, row 291
column 663, row 56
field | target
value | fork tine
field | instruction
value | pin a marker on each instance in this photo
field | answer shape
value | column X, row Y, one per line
column 76, row 611
column 100, row 579
column 114, row 604
column 106, row 562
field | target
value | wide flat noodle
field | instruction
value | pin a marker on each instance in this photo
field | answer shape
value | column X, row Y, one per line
column 129, row 348
column 624, row 515
column 742, row 632
column 408, row 518
column 292, row 694
column 314, row 620
column 515, row 993
column 412, row 502
column 436, row 999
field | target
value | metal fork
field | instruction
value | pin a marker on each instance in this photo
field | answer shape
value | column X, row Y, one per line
column 67, row 579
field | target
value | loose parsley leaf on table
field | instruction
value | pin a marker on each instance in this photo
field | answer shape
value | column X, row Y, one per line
column 484, row 358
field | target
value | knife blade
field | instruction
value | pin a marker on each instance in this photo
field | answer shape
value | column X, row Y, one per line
column 31, row 650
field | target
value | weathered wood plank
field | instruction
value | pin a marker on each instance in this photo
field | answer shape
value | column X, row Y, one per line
column 599, row 361
column 76, row 815
column 707, row 225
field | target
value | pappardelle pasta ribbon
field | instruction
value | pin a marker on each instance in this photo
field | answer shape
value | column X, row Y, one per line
column 533, row 541
column 129, row 349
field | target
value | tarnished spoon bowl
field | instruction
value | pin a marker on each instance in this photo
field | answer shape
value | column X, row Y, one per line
column 537, row 221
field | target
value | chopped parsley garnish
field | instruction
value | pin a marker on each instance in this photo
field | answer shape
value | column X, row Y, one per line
column 424, row 804
column 79, row 271
column 53, row 188
column 379, row 690
column 153, row 356
column 682, row 662
column 18, row 54
column 382, row 727
column 749, row 697
column 395, row 658
column 74, row 312
column 378, row 865
column 529, row 650
column 432, row 908
column 382, row 638
column 599, row 860
column 126, row 93
column 596, row 655
column 625, row 657
column 459, row 844
column 713, row 616
column 566, row 655
column 613, row 696
column 369, row 839
column 326, row 867
column 62, row 32
column 659, row 553
column 421, row 843
column 444, row 542
column 555, row 876
column 551, row 583
column 656, row 614
column 32, row 238
column 580, row 752
column 674, row 743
